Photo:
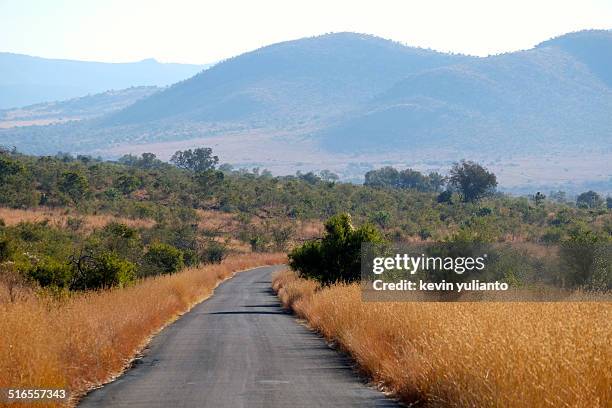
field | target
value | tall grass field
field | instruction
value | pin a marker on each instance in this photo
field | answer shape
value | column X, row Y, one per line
column 85, row 339
column 466, row 354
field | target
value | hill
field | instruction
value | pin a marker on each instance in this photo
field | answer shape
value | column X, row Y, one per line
column 27, row 80
column 558, row 93
column 350, row 102
column 303, row 79
column 85, row 107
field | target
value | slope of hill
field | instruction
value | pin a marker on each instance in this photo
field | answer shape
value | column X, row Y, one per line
column 306, row 79
column 521, row 100
column 590, row 47
column 85, row 107
column 27, row 80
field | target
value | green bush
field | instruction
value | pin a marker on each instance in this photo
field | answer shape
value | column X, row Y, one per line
column 162, row 259
column 214, row 252
column 190, row 257
column 586, row 261
column 337, row 256
column 51, row 273
column 102, row 271
column 74, row 184
column 6, row 250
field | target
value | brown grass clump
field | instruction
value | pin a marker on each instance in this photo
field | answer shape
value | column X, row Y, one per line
column 59, row 218
column 467, row 354
column 84, row 340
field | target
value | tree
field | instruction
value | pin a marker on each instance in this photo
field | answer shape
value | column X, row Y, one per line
column 8, row 168
column 389, row 177
column 127, row 183
column 413, row 179
column 539, row 198
column 472, row 180
column 589, row 199
column 208, row 180
column 337, row 256
column 328, row 176
column 384, row 177
column 309, row 177
column 196, row 160
column 74, row 184
column 436, row 181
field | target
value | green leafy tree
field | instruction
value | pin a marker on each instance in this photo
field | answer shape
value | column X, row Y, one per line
column 539, row 198
column 127, row 183
column 8, row 167
column 74, row 184
column 328, row 176
column 436, row 181
column 337, row 256
column 196, row 160
column 472, row 180
column 589, row 199
column 384, row 177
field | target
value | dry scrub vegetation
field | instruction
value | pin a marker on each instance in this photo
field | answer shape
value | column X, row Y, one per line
column 59, row 218
column 466, row 354
column 82, row 341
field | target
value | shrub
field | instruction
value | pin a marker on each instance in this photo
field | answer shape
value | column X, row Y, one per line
column 163, row 259
column 6, row 250
column 214, row 252
column 75, row 223
column 586, row 261
column 445, row 197
column 51, row 273
column 190, row 257
column 74, row 184
column 258, row 243
column 337, row 257
column 102, row 271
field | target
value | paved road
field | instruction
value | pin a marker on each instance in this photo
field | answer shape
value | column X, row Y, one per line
column 239, row 349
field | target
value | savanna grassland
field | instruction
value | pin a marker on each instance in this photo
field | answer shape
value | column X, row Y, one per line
column 96, row 256
column 465, row 354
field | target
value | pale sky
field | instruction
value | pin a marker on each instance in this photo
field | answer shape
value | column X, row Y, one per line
column 192, row 31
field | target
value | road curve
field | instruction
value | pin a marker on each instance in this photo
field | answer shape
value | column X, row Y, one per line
column 238, row 349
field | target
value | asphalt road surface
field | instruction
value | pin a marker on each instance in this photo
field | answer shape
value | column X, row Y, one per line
column 239, row 349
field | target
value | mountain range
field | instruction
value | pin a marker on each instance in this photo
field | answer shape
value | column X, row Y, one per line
column 26, row 80
column 350, row 102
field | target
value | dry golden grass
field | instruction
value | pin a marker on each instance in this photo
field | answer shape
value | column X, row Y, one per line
column 84, row 340
column 59, row 218
column 467, row 354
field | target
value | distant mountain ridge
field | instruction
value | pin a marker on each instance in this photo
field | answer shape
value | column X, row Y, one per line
column 84, row 107
column 26, row 80
column 317, row 76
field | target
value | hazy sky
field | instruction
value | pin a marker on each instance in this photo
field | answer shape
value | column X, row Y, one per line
column 206, row 31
